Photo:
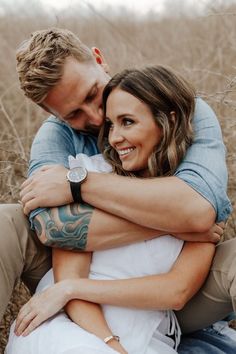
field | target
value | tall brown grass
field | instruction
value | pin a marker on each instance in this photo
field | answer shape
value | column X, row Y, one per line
column 202, row 48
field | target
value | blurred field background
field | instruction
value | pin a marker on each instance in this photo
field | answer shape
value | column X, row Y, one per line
column 200, row 45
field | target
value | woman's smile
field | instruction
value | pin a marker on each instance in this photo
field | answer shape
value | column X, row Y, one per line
column 123, row 153
column 133, row 132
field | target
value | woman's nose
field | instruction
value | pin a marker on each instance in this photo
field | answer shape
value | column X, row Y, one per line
column 115, row 136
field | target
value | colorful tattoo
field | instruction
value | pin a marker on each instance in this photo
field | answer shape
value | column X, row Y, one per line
column 64, row 227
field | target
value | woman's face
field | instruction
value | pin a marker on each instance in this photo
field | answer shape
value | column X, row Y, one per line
column 133, row 132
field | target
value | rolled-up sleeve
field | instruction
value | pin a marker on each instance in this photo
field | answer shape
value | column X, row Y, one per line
column 204, row 166
column 53, row 143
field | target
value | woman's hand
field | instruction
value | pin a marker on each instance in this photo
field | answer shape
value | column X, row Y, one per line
column 41, row 307
column 214, row 234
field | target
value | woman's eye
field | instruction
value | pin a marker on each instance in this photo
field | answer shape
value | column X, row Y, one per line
column 109, row 124
column 127, row 121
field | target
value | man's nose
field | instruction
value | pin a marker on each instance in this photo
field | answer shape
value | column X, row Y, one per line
column 95, row 115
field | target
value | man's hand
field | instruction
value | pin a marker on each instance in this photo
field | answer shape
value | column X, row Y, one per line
column 48, row 187
column 214, row 234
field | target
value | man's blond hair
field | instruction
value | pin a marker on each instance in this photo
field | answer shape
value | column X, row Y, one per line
column 41, row 58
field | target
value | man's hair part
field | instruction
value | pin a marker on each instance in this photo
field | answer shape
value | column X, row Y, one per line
column 41, row 59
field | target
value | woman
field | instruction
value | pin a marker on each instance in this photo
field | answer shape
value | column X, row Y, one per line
column 146, row 133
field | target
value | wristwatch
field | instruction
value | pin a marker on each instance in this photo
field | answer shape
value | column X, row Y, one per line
column 76, row 176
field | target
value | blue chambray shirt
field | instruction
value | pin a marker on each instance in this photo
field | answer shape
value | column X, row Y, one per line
column 203, row 168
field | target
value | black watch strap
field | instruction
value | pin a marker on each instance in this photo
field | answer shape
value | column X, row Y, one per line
column 76, row 192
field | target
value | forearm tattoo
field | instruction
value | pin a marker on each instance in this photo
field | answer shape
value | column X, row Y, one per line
column 65, row 227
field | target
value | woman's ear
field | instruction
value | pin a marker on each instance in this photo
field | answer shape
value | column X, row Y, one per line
column 173, row 117
column 99, row 58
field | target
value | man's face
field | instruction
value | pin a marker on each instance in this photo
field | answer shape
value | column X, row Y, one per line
column 77, row 98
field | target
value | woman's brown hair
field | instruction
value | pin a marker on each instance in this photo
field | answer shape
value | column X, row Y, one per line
column 171, row 100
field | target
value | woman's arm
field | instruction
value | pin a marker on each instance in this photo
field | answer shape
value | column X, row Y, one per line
column 163, row 291
column 86, row 314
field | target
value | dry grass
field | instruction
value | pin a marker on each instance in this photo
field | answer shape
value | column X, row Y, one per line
column 202, row 48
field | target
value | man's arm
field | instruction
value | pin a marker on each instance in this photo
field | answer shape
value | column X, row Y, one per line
column 83, row 228
column 188, row 202
column 166, row 204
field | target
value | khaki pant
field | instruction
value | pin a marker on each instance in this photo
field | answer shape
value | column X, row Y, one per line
column 22, row 255
column 217, row 298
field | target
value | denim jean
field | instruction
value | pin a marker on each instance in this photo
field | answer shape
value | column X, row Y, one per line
column 207, row 341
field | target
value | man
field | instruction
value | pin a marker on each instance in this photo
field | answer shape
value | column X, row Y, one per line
column 66, row 78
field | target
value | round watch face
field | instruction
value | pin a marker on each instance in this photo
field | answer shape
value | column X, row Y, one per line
column 77, row 175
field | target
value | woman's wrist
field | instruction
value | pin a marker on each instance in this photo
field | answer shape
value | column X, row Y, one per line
column 111, row 338
column 71, row 291
column 70, row 288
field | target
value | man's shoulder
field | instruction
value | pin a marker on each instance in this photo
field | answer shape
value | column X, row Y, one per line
column 205, row 117
column 53, row 129
column 203, row 110
column 52, row 123
column 55, row 134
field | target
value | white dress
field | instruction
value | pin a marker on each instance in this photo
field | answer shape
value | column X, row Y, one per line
column 140, row 331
